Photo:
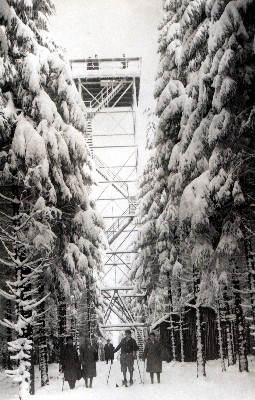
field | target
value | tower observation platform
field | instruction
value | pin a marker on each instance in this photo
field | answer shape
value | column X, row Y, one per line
column 110, row 90
column 98, row 77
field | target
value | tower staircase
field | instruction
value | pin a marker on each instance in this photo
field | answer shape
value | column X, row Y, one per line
column 105, row 96
column 140, row 338
column 108, row 174
column 89, row 135
column 119, row 225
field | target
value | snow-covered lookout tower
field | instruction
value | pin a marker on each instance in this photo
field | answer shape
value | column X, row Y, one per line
column 110, row 90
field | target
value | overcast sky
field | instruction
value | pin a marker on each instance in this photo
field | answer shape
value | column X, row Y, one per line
column 110, row 28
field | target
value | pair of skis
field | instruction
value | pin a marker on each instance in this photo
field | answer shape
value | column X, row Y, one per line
column 126, row 383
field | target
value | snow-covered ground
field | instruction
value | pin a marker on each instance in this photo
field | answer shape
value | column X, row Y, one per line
column 179, row 382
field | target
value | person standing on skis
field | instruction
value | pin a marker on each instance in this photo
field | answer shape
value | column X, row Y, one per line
column 128, row 348
column 152, row 352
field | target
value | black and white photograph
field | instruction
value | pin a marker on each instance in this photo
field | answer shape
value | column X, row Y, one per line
column 127, row 199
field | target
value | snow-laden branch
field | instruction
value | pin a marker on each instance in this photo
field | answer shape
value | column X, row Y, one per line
column 13, row 290
column 10, row 253
column 30, row 292
column 14, row 201
column 35, row 303
column 2, row 261
column 7, row 216
column 39, row 315
column 7, row 234
column 6, row 323
column 16, row 261
column 21, row 264
column 6, row 295
column 191, row 305
column 29, row 218
column 27, row 278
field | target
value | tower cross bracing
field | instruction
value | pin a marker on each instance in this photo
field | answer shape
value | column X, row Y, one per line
column 110, row 91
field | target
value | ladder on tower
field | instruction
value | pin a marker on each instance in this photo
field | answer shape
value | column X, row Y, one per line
column 120, row 224
column 140, row 338
column 89, row 136
column 105, row 96
column 108, row 174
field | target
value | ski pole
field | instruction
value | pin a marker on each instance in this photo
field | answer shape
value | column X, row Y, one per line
column 144, row 371
column 63, row 383
column 109, row 374
column 139, row 371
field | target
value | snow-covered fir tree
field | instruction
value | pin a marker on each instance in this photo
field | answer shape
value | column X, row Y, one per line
column 46, row 168
column 203, row 145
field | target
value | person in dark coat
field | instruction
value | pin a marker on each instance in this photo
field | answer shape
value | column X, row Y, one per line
column 70, row 362
column 89, row 357
column 153, row 354
column 109, row 351
column 128, row 348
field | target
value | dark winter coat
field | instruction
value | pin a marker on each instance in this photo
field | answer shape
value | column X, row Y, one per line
column 152, row 352
column 127, row 346
column 108, row 351
column 70, row 362
column 89, row 357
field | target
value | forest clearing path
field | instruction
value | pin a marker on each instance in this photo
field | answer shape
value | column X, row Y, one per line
column 179, row 382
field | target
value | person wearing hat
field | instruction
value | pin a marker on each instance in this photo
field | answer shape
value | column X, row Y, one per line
column 128, row 348
column 89, row 357
column 152, row 352
column 109, row 351
column 70, row 362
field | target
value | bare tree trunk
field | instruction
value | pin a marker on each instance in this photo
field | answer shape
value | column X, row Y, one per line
column 226, row 317
column 8, row 315
column 200, row 352
column 181, row 338
column 43, row 353
column 74, row 329
column 200, row 347
column 88, row 305
column 61, row 326
column 170, row 301
column 28, row 333
column 240, row 324
column 82, row 322
column 251, row 269
column 223, row 367
column 25, row 295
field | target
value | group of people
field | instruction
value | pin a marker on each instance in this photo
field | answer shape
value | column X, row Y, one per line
column 76, row 367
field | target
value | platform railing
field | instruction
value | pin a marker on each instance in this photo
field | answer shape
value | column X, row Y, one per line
column 83, row 67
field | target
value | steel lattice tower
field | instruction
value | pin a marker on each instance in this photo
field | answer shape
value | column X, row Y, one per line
column 110, row 91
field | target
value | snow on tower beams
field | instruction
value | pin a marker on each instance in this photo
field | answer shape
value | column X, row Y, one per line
column 110, row 91
column 122, row 67
column 117, row 288
column 116, row 303
column 107, row 82
column 123, row 326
